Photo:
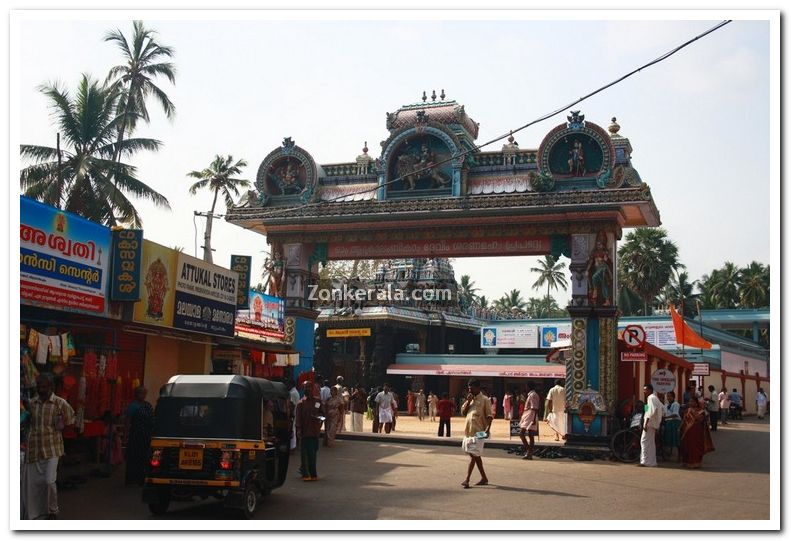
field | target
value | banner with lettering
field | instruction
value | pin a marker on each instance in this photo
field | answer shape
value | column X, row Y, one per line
column 127, row 256
column 63, row 259
column 158, row 277
column 242, row 265
column 205, row 297
column 264, row 318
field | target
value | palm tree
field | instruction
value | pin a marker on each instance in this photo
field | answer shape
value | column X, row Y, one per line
column 679, row 292
column 77, row 178
column 726, row 289
column 649, row 259
column 467, row 291
column 754, row 291
column 218, row 177
column 706, row 285
column 481, row 302
column 548, row 307
column 511, row 302
column 550, row 272
column 144, row 60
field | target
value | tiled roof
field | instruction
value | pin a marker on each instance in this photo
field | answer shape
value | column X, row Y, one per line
column 348, row 192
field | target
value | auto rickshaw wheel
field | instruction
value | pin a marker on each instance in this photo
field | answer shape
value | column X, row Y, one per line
column 160, row 507
column 250, row 500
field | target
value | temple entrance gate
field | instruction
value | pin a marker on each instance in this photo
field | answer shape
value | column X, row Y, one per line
column 427, row 196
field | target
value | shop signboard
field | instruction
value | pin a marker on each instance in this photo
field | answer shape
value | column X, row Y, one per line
column 127, row 257
column 242, row 265
column 663, row 380
column 509, row 336
column 554, row 333
column 348, row 333
column 264, row 318
column 205, row 297
column 63, row 259
column 158, row 277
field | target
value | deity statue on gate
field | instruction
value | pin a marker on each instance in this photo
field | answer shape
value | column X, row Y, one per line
column 576, row 159
column 600, row 273
column 275, row 267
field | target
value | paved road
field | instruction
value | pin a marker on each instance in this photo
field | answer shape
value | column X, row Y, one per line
column 373, row 480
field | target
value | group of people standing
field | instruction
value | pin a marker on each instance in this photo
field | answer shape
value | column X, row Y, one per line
column 684, row 427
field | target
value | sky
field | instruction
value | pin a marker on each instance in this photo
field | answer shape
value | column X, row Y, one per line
column 699, row 122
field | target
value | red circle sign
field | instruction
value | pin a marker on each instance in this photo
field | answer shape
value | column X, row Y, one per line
column 634, row 336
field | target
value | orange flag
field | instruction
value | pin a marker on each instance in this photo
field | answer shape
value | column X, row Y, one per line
column 684, row 333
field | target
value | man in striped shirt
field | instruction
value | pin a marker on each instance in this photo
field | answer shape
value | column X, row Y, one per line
column 49, row 414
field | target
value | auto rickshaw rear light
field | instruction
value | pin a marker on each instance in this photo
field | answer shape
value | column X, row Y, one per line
column 226, row 462
column 156, row 458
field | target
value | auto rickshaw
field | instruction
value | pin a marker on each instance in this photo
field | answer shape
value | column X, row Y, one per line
column 213, row 436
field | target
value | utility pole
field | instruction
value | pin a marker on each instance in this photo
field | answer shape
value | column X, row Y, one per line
column 207, row 249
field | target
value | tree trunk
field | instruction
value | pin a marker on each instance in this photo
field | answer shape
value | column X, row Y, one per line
column 207, row 236
column 117, row 158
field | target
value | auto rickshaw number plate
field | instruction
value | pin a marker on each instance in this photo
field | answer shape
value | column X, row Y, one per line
column 191, row 459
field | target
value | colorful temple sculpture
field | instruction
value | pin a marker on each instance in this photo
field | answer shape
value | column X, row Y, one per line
column 431, row 194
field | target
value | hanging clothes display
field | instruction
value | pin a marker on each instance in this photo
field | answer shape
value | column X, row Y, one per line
column 42, row 349
column 54, row 349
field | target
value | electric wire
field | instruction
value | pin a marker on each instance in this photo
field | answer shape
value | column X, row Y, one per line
column 273, row 212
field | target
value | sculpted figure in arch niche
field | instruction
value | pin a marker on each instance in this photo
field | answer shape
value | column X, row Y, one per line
column 600, row 273
column 274, row 267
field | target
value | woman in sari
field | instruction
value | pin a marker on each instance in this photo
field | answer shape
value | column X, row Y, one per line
column 335, row 412
column 695, row 436
column 410, row 403
column 139, row 425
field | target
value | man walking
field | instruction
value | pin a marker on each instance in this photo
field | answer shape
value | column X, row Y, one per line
column 310, row 414
column 478, row 410
column 725, row 405
column 445, row 410
column 358, row 403
column 713, row 407
column 384, row 400
column 651, row 421
column 556, row 409
column 374, row 409
column 529, row 421
column 420, row 400
column 736, row 402
column 49, row 414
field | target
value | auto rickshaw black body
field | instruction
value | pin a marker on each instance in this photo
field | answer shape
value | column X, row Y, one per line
column 209, row 439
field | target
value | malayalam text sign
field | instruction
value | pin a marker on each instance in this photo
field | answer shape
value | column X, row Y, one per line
column 242, row 265
column 127, row 256
column 701, row 369
column 663, row 380
column 509, row 336
column 205, row 297
column 348, row 333
column 554, row 333
column 63, row 259
column 538, row 245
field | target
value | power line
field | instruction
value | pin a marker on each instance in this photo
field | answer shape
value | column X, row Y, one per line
column 476, row 148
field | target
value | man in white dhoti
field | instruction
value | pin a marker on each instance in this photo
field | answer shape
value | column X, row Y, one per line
column 651, row 421
column 556, row 410
column 385, row 402
column 49, row 414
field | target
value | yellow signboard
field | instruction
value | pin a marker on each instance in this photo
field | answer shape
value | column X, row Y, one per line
column 347, row 333
column 159, row 285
